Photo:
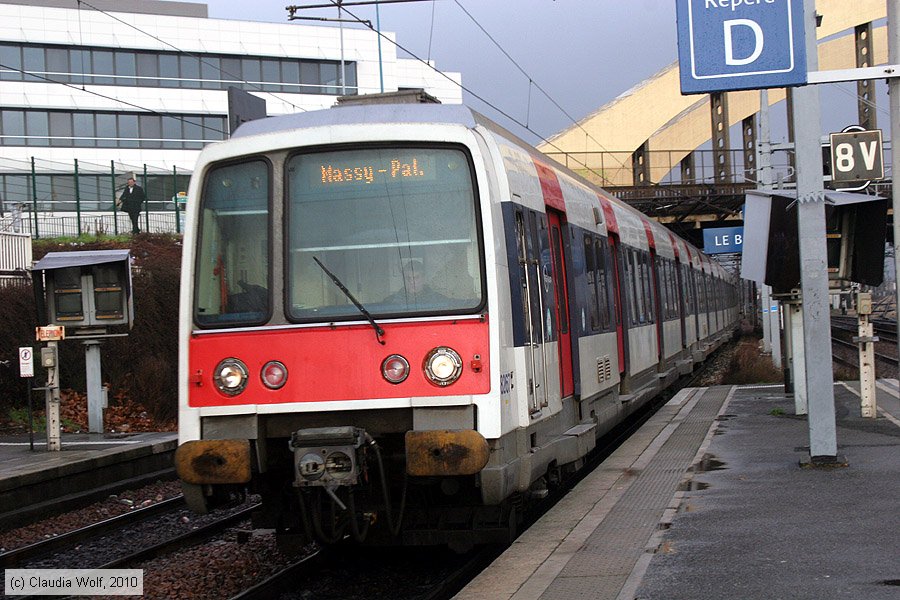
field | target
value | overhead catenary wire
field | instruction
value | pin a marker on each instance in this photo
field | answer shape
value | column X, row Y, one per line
column 526, row 126
column 475, row 95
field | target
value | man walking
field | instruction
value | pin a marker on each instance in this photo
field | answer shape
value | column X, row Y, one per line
column 132, row 201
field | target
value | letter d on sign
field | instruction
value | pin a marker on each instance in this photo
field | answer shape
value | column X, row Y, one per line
column 729, row 45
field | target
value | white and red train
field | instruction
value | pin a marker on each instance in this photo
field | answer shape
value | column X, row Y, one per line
column 400, row 321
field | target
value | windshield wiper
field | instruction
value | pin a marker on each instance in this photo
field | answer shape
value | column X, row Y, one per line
column 379, row 332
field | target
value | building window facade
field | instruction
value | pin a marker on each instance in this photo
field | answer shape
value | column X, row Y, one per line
column 100, row 129
column 105, row 66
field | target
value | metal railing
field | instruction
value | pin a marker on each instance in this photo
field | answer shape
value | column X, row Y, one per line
column 666, row 167
column 51, row 199
column 67, row 224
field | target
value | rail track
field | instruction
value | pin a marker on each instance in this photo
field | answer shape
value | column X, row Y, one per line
column 845, row 352
column 322, row 575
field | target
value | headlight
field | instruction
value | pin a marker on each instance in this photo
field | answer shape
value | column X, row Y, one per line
column 274, row 374
column 395, row 368
column 443, row 366
column 231, row 376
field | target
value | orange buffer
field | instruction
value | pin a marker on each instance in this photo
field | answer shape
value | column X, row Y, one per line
column 445, row 453
column 213, row 461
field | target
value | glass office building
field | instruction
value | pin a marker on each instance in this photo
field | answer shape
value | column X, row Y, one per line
column 121, row 86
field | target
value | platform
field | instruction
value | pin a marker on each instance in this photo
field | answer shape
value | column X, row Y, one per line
column 89, row 466
column 709, row 500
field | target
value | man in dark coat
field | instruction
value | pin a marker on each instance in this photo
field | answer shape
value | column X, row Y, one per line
column 132, row 201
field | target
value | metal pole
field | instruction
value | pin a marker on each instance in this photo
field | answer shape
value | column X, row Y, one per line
column 112, row 178
column 175, row 196
column 893, row 26
column 771, row 322
column 380, row 63
column 77, row 199
column 146, row 202
column 343, row 64
column 34, row 198
column 813, row 252
column 30, row 417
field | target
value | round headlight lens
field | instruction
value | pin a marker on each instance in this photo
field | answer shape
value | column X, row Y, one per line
column 395, row 368
column 231, row 376
column 443, row 366
column 274, row 374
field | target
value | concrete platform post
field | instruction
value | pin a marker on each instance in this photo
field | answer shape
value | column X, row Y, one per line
column 51, row 395
column 798, row 359
column 806, row 117
column 93, row 376
column 866, row 342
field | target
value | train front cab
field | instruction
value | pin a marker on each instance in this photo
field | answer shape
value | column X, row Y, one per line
column 277, row 360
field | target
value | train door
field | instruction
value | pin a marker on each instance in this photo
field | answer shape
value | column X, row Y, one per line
column 655, row 279
column 617, row 301
column 564, row 336
column 528, row 248
column 682, row 300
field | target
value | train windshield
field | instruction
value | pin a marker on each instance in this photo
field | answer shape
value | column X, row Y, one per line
column 398, row 227
column 233, row 258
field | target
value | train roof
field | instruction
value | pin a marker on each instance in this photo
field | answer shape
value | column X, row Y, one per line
column 372, row 113
column 450, row 114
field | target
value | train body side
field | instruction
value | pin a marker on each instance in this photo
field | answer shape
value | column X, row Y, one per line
column 589, row 310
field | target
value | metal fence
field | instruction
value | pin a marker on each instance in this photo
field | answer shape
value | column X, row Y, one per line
column 667, row 167
column 52, row 199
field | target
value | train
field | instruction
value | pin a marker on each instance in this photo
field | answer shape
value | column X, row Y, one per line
column 400, row 324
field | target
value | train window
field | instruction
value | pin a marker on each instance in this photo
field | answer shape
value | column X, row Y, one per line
column 397, row 226
column 548, row 294
column 630, row 277
column 646, row 289
column 590, row 265
column 232, row 281
column 602, row 285
column 661, row 284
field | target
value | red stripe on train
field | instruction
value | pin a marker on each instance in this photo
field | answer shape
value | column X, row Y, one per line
column 550, row 188
column 337, row 363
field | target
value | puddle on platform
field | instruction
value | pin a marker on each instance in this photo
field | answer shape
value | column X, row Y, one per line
column 708, row 463
column 692, row 486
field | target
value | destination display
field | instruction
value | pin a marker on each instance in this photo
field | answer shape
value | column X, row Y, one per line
column 375, row 169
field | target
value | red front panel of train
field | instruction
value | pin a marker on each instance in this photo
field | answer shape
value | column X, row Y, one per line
column 339, row 363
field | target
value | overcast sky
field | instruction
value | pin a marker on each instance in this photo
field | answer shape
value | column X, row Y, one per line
column 583, row 53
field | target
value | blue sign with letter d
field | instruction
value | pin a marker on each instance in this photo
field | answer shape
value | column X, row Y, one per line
column 728, row 45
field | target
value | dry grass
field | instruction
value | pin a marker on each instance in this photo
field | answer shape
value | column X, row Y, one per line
column 748, row 365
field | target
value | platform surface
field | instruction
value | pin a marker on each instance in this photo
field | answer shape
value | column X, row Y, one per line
column 17, row 458
column 88, row 467
column 709, row 500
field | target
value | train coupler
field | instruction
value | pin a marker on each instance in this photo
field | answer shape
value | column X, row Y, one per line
column 329, row 456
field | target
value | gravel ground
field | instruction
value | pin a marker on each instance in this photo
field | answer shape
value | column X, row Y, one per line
column 115, row 505
column 223, row 567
